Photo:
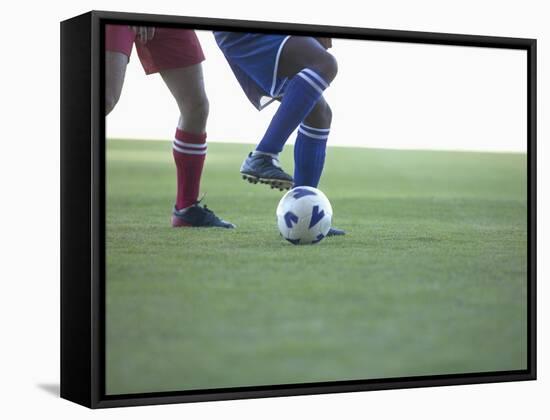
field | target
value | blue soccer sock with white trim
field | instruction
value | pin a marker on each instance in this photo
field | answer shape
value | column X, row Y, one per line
column 301, row 94
column 309, row 155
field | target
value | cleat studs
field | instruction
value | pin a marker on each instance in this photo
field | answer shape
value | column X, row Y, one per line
column 274, row 184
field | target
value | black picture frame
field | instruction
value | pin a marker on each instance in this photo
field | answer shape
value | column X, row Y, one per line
column 83, row 209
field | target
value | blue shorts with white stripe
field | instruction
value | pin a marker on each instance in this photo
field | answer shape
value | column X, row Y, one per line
column 254, row 58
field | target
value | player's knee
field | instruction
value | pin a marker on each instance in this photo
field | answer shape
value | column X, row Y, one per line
column 329, row 67
column 200, row 109
column 196, row 112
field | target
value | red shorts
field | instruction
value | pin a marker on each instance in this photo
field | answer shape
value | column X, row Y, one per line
column 169, row 48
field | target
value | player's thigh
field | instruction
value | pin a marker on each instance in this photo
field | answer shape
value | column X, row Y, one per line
column 300, row 52
column 115, row 71
column 187, row 86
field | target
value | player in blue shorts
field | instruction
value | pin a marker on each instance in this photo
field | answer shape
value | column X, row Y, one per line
column 294, row 70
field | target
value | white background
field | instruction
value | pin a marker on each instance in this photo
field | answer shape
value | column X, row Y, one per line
column 29, row 226
column 443, row 97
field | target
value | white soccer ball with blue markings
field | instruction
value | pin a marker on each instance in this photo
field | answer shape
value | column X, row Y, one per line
column 304, row 216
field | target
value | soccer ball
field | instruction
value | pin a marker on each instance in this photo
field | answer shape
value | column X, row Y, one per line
column 304, row 215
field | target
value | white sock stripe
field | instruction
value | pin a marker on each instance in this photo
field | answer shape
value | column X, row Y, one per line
column 190, row 145
column 320, row 130
column 275, row 68
column 189, row 151
column 313, row 136
column 316, row 76
column 311, row 82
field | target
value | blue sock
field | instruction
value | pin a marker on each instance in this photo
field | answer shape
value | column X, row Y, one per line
column 301, row 94
column 309, row 155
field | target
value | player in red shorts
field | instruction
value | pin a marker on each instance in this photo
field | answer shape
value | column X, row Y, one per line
column 176, row 55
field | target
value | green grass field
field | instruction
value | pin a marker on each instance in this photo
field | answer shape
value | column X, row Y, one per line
column 431, row 278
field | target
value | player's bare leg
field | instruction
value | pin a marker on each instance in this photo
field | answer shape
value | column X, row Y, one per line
column 115, row 71
column 189, row 148
column 320, row 116
column 187, row 87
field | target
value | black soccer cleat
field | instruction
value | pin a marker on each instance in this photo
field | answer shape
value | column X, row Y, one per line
column 198, row 216
column 265, row 169
column 335, row 232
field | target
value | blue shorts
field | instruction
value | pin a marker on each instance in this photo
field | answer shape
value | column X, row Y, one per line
column 254, row 58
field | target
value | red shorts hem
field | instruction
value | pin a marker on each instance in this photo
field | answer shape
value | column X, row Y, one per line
column 169, row 49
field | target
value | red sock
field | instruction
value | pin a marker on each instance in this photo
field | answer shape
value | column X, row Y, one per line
column 189, row 151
